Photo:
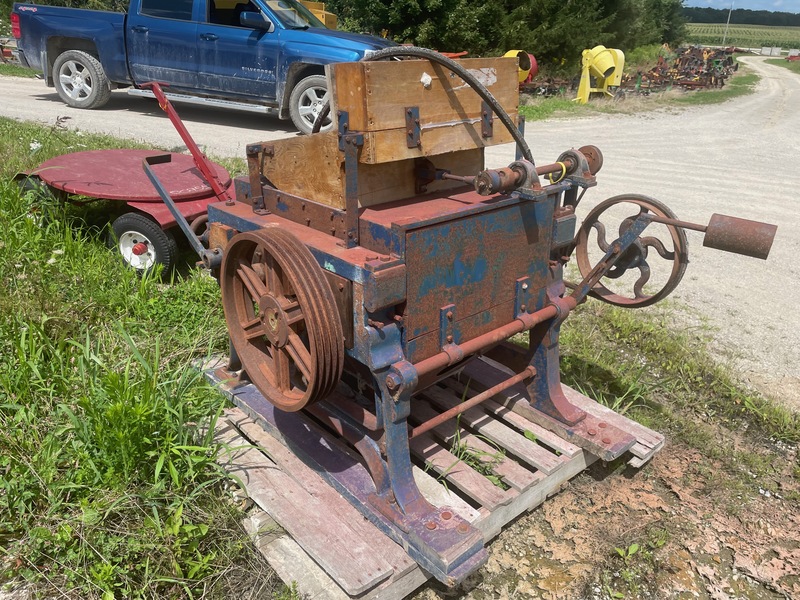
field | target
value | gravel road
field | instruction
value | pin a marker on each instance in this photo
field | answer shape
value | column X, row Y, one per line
column 738, row 158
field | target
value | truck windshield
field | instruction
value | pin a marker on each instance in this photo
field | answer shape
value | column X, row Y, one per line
column 293, row 15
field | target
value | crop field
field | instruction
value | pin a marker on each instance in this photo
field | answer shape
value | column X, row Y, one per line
column 745, row 36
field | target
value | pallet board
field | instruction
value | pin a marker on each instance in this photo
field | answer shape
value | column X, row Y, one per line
column 313, row 536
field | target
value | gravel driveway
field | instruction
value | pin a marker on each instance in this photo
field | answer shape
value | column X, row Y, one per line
column 739, row 158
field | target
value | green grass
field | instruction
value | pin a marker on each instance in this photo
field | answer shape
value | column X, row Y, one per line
column 108, row 488
column 746, row 36
column 792, row 65
column 641, row 356
column 740, row 84
column 16, row 70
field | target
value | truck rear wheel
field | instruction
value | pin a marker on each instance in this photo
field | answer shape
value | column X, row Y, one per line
column 80, row 80
column 306, row 102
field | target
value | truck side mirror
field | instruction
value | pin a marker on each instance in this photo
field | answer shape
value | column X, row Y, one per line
column 256, row 20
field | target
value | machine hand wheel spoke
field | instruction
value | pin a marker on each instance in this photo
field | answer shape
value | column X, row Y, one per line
column 282, row 317
column 638, row 278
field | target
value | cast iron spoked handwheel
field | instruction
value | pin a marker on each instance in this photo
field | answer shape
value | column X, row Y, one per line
column 631, row 281
column 282, row 317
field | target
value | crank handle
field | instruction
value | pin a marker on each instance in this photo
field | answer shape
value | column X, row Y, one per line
column 731, row 234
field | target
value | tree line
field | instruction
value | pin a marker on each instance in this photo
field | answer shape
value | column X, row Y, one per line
column 555, row 31
column 742, row 16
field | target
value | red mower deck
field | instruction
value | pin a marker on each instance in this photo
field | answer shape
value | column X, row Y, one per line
column 118, row 175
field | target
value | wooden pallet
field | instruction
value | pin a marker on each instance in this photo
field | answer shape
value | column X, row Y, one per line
column 312, row 536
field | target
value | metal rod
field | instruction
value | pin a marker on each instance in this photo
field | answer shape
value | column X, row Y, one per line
column 677, row 223
column 456, row 352
column 474, row 401
column 200, row 159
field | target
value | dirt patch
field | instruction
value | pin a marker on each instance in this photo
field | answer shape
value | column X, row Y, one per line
column 681, row 527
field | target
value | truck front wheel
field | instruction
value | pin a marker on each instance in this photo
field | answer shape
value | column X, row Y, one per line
column 306, row 102
column 80, row 80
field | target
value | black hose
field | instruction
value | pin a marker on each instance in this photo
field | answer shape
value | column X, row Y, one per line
column 469, row 78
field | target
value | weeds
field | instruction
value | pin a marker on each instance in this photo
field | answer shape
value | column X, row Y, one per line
column 107, row 488
column 792, row 65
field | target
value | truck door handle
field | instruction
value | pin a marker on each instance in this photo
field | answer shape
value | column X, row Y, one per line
column 209, row 37
column 140, row 29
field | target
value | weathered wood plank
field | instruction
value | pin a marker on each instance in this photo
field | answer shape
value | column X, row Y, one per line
column 520, row 422
column 442, row 497
column 292, row 564
column 309, row 166
column 435, row 141
column 322, row 533
column 511, row 472
column 493, row 523
column 527, row 450
column 459, row 474
column 376, row 94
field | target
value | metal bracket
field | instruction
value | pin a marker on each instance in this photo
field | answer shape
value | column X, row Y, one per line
column 343, row 124
column 351, row 143
column 413, row 129
column 522, row 297
column 447, row 319
column 487, row 120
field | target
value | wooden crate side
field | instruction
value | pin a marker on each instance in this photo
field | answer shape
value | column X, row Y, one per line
column 312, row 167
column 388, row 182
column 435, row 139
column 309, row 166
column 376, row 94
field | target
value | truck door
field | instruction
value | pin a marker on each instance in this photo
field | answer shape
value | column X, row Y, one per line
column 162, row 42
column 237, row 59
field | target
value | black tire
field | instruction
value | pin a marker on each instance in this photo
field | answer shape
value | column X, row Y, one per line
column 80, row 80
column 307, row 100
column 143, row 244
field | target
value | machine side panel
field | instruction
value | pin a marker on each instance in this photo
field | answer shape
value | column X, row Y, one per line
column 473, row 264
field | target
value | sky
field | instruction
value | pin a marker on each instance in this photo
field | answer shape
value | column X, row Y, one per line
column 792, row 6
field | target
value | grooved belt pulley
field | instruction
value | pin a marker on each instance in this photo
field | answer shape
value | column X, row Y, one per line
column 282, row 317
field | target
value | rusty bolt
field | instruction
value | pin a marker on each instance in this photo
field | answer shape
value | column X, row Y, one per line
column 592, row 432
column 602, row 425
column 449, row 315
column 430, row 525
column 341, row 287
column 463, row 529
column 447, row 515
column 606, row 440
column 522, row 308
column 308, row 222
column 449, row 339
column 393, row 381
column 524, row 286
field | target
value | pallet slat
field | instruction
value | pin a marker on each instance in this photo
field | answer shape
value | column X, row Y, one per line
column 511, row 472
column 325, row 536
column 473, row 498
column 458, row 473
column 484, row 424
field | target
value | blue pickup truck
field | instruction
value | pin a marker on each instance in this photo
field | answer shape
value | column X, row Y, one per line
column 264, row 55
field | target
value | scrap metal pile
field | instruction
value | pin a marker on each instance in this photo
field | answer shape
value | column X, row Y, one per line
column 691, row 68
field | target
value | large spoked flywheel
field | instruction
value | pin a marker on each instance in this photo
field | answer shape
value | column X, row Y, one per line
column 282, row 317
column 650, row 268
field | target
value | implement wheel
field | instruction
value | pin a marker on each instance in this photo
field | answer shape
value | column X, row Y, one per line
column 282, row 317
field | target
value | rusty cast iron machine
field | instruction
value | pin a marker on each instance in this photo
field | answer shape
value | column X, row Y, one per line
column 362, row 265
